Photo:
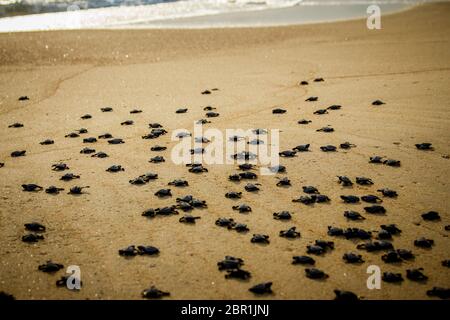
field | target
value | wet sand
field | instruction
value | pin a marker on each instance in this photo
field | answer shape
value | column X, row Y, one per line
column 68, row 74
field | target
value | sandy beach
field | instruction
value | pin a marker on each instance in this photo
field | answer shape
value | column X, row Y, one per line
column 67, row 74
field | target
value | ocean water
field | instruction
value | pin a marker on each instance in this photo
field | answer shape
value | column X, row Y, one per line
column 31, row 15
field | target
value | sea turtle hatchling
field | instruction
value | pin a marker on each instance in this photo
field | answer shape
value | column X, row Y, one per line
column 198, row 169
column 335, row 107
column 363, row 181
column 90, row 140
column 154, row 293
column 347, row 145
column 391, row 257
column 163, row 193
column 50, row 267
column 115, row 168
column 230, row 263
column 392, row 162
column 262, row 288
column 212, row 114
column 392, row 277
column 250, row 187
column 312, row 99
column 60, row 167
column 31, row 187
column 282, row 215
column 225, row 222
column 290, row 233
column 328, row 148
column 237, row 274
column 304, row 121
column 376, row 159
column 77, row 190
column 233, row 195
column 188, row 219
column 69, row 176
column 86, row 116
column 242, row 208
column 351, row 257
column 373, row 246
column 388, row 192
column 105, row 136
column 371, row 199
column 53, row 190
column 442, row 293
column 47, row 142
column 302, row 148
column 424, row 146
column 157, row 159
column 314, row 273
column 260, row 238
column 181, row 110
column 345, row 181
column 303, row 260
column 278, row 111
column 375, row 209
column 16, row 125
column 431, row 216
column 283, row 182
column 106, row 109
column 342, row 295
column 32, row 237
column 116, row 141
column 179, row 183
column 423, row 242
column 377, row 103
column 310, row 190
column 87, row 150
column 18, row 153
column 350, row 198
column 353, row 215
column 34, row 226
column 325, row 129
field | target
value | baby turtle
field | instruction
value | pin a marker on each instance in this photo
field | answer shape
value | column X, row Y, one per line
column 165, row 211
column 325, row 244
column 240, row 227
column 250, row 187
column 163, row 193
column 384, row 235
column 375, row 246
column 129, row 251
column 134, row 111
column 2, row 164
column 392, row 277
column 262, row 288
column 431, row 216
column 325, row 129
column 178, row 183
column 157, row 159
column 82, row 130
column 23, row 98
column 312, row 99
column 244, row 155
column 416, row 274
column 203, row 121
column 148, row 250
column 246, row 166
column 34, row 226
column 345, row 181
column 260, row 238
column 279, row 111
column 356, row 233
column 53, row 190
column 188, row 219
column 443, row 293
column 259, row 131
column 105, row 136
column 423, row 242
column 371, row 199
column 314, row 273
column 328, row 148
column 320, row 111
column 351, row 257
column 225, row 222
column 248, row 175
column 31, row 187
column 377, row 103
column 391, row 257
column 363, row 181
column 206, row 92
column 155, row 125
column 305, row 200
column 100, row 155
column 319, row 80
column 424, row 146
column 16, row 154
column 304, row 121
column 334, row 107
column 335, row 231
column 277, row 169
column 209, row 108
column 302, row 147
column 198, row 169
column 115, row 168
column 60, row 167
column 87, row 150
column 320, row 198
column 77, row 190
column 388, row 192
column 315, row 249
column 47, row 142
column 201, row 140
column 353, row 215
column 199, row 150
column 86, row 116
column 290, row 233
column 345, row 296
column 405, row 254
column 242, row 208
column 391, row 228
column 90, row 140
column 116, row 141
column 50, row 267
column 212, row 114
column 392, row 162
column 237, row 274
column 185, row 206
column 230, row 263
column 182, row 110
column 303, row 260
column 376, row 159
column 282, row 215
column 310, row 189
column 347, row 145
column 154, row 293
column 350, row 199
column 16, row 125
column 106, row 109
column 304, row 83
column 69, row 176
column 284, row 182
column 32, row 237
column 375, row 209
column 233, row 195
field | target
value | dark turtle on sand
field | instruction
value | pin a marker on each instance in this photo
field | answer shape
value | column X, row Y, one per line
column 375, row 209
column 212, row 114
column 305, row 200
column 242, row 208
column 134, row 111
column 116, row 141
column 100, row 155
column 302, row 147
column 197, row 169
column 230, row 263
column 282, row 215
column 392, row 277
column 86, row 116
column 32, row 237
column 278, row 111
column 188, row 219
column 178, row 183
column 423, row 242
column 320, row 198
column 315, row 249
column 53, row 190
column 335, row 231
column 304, row 121
column 314, row 273
column 351, row 257
column 363, row 181
column 373, row 246
column 391, row 228
column 203, row 121
column 106, row 109
column 147, row 250
column 347, row 145
column 303, row 260
column 334, row 107
column 23, row 98
column 260, row 238
column 250, row 187
column 90, row 140
column 154, row 293
column 319, row 80
column 225, row 222
column 392, row 162
column 60, row 167
column 16, row 154
column 350, row 199
column 237, row 274
column 442, row 293
column 69, row 176
column 284, row 182
column 182, row 110
column 163, row 193
column 187, row 198
column 50, row 267
column 353, row 215
column 164, row 211
column 72, row 135
column 416, row 274
column 16, row 125
column 356, row 233
column 155, row 125
column 82, row 130
column 47, row 142
column 201, row 140
column 185, row 206
column 77, row 190
column 303, row 83
column 233, row 195
column 431, row 216
column 246, row 166
column 34, row 226
column 320, row 111
column 384, row 235
column 2, row 164
column 391, row 257
column 342, row 295
column 312, row 99
column 325, row 129
column 259, row 131
column 248, row 175
column 377, row 103
column 115, row 168
column 31, row 187
column 244, row 155
column 240, row 227
column 183, row 134
column 424, row 146
column 376, row 159
column 196, row 203
column 209, row 108
column 371, row 199
column 290, row 233
column 325, row 244
column 405, row 254
column 158, row 148
column 310, row 189
column 328, row 148
column 157, row 159
column 129, row 251
column 388, row 192
column 262, row 288
column 105, row 136
column 277, row 169
column 345, row 181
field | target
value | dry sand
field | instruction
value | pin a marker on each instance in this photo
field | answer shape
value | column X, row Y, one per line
column 67, row 74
